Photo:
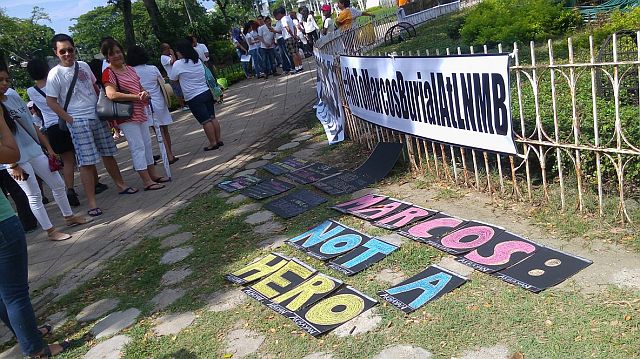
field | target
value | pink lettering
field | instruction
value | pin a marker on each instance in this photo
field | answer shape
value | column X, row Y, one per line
column 405, row 216
column 362, row 202
column 501, row 253
column 421, row 230
column 378, row 211
column 454, row 240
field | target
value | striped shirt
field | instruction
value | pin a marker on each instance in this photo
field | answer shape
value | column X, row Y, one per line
column 129, row 83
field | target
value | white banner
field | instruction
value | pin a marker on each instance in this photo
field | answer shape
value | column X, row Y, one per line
column 329, row 109
column 460, row 100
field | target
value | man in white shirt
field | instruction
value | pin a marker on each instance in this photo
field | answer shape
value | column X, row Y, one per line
column 167, row 59
column 201, row 49
column 290, row 37
column 268, row 48
column 282, row 47
column 91, row 136
column 327, row 20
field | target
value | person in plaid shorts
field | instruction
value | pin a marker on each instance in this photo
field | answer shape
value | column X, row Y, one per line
column 91, row 137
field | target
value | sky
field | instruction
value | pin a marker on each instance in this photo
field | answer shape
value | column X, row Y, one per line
column 60, row 11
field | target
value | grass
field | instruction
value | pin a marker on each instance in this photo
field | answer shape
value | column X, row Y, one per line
column 558, row 323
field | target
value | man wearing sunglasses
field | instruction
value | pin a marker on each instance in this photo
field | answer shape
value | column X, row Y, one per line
column 91, row 137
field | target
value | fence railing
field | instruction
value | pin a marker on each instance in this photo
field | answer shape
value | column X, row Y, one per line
column 577, row 142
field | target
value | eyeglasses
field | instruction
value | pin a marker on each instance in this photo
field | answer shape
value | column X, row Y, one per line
column 69, row 51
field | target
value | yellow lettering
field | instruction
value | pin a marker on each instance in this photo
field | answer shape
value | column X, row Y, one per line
column 318, row 284
column 323, row 312
column 263, row 267
column 278, row 279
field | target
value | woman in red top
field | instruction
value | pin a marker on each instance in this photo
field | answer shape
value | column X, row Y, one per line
column 121, row 83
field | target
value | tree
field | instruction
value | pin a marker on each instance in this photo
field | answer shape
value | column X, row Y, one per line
column 157, row 23
column 129, row 34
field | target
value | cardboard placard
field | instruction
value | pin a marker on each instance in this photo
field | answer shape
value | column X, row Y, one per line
column 258, row 269
column 359, row 203
column 239, row 183
column 295, row 203
column 285, row 165
column 545, row 268
column 362, row 257
column 387, row 207
column 471, row 235
column 500, row 253
column 404, row 217
column 433, row 227
column 343, row 183
column 267, row 188
column 422, row 288
column 312, row 173
column 333, row 311
column 347, row 240
column 289, row 276
column 381, row 161
column 318, row 234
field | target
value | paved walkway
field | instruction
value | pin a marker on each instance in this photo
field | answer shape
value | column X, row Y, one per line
column 252, row 111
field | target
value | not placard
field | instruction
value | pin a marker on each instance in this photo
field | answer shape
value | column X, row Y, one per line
column 471, row 235
column 362, row 256
column 500, row 253
column 285, row 165
column 433, row 227
column 295, row 203
column 545, row 268
column 312, row 173
column 405, row 217
column 382, row 209
column 239, row 183
column 347, row 240
column 343, row 183
column 422, row 288
column 333, row 311
column 267, row 188
column 258, row 269
column 359, row 203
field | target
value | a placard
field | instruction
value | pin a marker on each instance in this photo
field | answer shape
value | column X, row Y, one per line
column 433, row 227
column 381, row 161
column 318, row 234
column 382, row 209
column 500, row 253
column 267, row 188
column 343, row 183
column 359, row 203
column 545, row 268
column 362, row 256
column 239, row 183
column 285, row 165
column 471, row 235
column 295, row 203
column 312, row 173
column 258, row 269
column 422, row 288
column 338, row 245
column 287, row 277
column 405, row 217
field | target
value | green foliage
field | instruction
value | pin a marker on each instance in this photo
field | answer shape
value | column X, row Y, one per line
column 617, row 21
column 507, row 21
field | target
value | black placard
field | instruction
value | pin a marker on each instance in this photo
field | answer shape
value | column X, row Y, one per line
column 295, row 203
column 312, row 173
column 343, row 183
column 267, row 188
column 387, row 207
column 433, row 227
column 381, row 161
column 318, row 234
column 405, row 217
column 289, row 276
column 285, row 165
column 362, row 257
column 422, row 288
column 258, row 269
column 499, row 253
column 239, row 183
column 337, row 245
column 359, row 203
column 545, row 268
column 466, row 238
column 332, row 311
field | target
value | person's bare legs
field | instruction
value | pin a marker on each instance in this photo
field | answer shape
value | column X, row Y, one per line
column 69, row 164
column 89, row 183
column 114, row 171
column 210, row 132
column 146, row 177
column 166, row 138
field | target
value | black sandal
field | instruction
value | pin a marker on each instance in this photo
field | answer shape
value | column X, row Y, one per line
column 48, row 330
column 46, row 351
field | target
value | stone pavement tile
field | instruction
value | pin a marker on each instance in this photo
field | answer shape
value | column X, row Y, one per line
column 12, row 353
column 395, row 239
column 239, row 198
column 272, row 242
column 173, row 277
column 288, row 146
column 305, row 154
column 109, row 349
column 494, row 352
column 259, row 217
column 269, row 228
column 270, row 156
column 223, row 194
column 115, row 322
column 247, row 208
column 249, row 172
column 390, row 276
column 363, row 323
column 302, row 137
column 173, row 323
column 225, row 299
column 319, row 355
column 404, row 352
column 57, row 320
column 97, row 310
column 243, row 342
column 167, row 297
column 176, row 240
column 256, row 164
column 163, row 231
column 451, row 264
column 176, row 255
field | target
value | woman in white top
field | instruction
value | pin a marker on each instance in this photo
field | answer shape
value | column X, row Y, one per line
column 251, row 35
column 188, row 70
column 151, row 80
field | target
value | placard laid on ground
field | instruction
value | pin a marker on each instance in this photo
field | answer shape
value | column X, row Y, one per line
column 239, row 183
column 289, row 276
column 312, row 173
column 469, row 236
column 362, row 257
column 381, row 161
column 499, row 253
column 258, row 269
column 295, row 203
column 432, row 228
column 285, row 165
column 343, row 183
column 545, row 268
column 267, row 188
column 462, row 100
column 329, row 108
column 407, row 216
column 380, row 210
column 422, row 288
column 359, row 203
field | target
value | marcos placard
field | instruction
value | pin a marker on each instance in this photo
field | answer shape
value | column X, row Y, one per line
column 461, row 100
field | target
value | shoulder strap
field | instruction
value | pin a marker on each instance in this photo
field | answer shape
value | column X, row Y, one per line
column 40, row 91
column 71, row 87
column 27, row 131
column 116, row 76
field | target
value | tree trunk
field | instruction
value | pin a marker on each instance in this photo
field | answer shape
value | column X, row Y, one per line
column 156, row 19
column 129, row 35
column 222, row 5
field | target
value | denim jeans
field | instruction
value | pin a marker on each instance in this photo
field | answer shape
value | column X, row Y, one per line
column 255, row 61
column 268, row 60
column 245, row 65
column 286, row 61
column 15, row 305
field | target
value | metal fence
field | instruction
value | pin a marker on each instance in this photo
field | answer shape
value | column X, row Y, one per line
column 577, row 145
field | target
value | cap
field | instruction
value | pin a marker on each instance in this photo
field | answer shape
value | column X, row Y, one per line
column 326, row 7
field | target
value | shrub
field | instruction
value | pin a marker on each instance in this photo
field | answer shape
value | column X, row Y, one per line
column 617, row 21
column 506, row 21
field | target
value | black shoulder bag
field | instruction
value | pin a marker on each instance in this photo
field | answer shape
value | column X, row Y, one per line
column 62, row 123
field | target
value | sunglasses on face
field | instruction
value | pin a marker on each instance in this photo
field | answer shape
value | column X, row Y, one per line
column 69, row 50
